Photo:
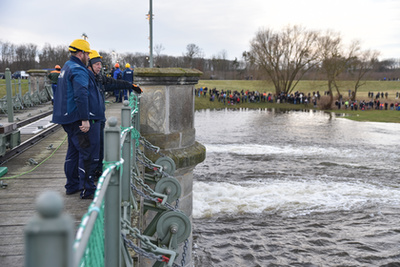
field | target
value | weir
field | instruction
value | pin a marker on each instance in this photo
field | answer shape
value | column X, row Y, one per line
column 153, row 153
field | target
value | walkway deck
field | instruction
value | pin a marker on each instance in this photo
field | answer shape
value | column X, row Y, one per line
column 17, row 199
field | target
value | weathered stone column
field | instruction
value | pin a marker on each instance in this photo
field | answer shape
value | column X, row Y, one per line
column 167, row 121
column 37, row 78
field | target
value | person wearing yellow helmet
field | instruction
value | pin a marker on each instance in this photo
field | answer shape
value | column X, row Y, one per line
column 105, row 84
column 117, row 75
column 79, row 109
column 80, row 48
column 127, row 75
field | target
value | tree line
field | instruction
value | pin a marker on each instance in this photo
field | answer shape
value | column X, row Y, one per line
column 29, row 56
column 283, row 56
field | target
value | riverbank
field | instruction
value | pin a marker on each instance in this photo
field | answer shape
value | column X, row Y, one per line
column 391, row 87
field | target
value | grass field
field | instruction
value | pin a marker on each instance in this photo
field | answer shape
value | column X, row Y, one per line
column 392, row 87
column 14, row 87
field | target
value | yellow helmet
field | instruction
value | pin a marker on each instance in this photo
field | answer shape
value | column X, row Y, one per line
column 79, row 45
column 94, row 54
column 127, row 65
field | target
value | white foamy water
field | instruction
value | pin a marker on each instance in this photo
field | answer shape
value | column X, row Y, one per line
column 294, row 151
column 289, row 198
column 296, row 189
column 257, row 149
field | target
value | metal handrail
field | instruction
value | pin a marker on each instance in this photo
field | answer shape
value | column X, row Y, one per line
column 83, row 234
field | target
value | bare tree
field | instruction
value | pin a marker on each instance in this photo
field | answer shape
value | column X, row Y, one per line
column 285, row 56
column 250, row 66
column 158, row 48
column 170, row 61
column 25, row 56
column 7, row 55
column 331, row 60
column 363, row 63
column 335, row 60
column 192, row 51
column 220, row 64
column 53, row 55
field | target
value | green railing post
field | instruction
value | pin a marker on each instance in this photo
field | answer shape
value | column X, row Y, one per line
column 20, row 89
column 126, row 155
column 112, row 205
column 137, row 116
column 49, row 235
column 10, row 108
column 17, row 88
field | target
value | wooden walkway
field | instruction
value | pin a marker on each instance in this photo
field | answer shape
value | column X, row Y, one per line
column 27, row 182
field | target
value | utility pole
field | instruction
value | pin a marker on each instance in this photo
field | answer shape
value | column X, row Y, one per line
column 150, row 17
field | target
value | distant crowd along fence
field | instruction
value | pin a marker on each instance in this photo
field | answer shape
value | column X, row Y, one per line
column 131, row 186
column 20, row 100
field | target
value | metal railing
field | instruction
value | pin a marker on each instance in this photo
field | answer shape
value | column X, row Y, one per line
column 18, row 100
column 102, row 238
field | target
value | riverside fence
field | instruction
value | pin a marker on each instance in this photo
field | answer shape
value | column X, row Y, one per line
column 109, row 234
column 16, row 99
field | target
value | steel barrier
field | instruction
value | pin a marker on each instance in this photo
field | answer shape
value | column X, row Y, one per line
column 19, row 100
column 106, row 232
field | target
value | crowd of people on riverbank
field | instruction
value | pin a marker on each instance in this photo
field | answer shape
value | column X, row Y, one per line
column 378, row 101
column 232, row 97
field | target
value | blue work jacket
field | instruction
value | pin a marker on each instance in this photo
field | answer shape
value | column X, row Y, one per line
column 127, row 75
column 77, row 97
column 117, row 74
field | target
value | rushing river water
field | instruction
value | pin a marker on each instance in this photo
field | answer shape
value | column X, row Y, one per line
column 296, row 189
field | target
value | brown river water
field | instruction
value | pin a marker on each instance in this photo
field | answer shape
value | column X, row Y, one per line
column 296, row 189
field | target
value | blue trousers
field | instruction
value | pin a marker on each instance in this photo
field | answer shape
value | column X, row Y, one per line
column 82, row 157
column 54, row 88
column 118, row 96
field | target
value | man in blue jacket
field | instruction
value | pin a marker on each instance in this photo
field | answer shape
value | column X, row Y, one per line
column 127, row 75
column 79, row 109
column 117, row 75
column 106, row 84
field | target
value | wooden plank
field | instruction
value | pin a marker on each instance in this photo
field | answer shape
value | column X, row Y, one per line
column 19, row 197
column 17, row 200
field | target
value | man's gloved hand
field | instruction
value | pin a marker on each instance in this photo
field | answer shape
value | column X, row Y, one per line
column 137, row 89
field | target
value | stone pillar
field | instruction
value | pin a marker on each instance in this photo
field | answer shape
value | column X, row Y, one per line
column 167, row 121
column 37, row 78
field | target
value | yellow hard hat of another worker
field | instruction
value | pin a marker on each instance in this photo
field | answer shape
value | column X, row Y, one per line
column 127, row 65
column 79, row 45
column 94, row 54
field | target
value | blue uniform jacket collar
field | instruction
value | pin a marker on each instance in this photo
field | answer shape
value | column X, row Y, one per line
column 77, row 60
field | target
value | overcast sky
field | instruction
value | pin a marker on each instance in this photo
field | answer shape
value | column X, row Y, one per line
column 213, row 25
